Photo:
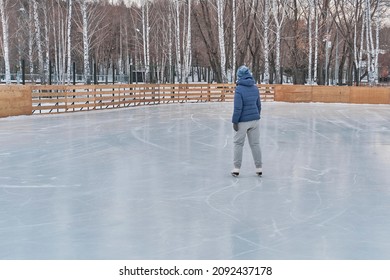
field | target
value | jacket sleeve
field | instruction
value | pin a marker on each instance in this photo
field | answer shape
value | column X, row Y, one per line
column 237, row 107
column 259, row 105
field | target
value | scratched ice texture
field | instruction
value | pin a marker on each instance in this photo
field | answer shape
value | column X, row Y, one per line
column 154, row 183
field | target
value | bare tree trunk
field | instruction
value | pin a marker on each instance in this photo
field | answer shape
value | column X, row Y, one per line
column 360, row 60
column 170, row 60
column 376, row 47
column 178, row 45
column 358, row 54
column 315, row 78
column 57, row 52
column 187, row 52
column 278, row 11
column 355, row 52
column 371, row 48
column 234, row 35
column 122, row 33
column 204, row 19
column 31, row 42
column 38, row 41
column 376, row 56
column 145, row 37
column 310, row 80
column 4, row 21
column 69, row 40
column 369, row 42
column 147, row 71
column 57, row 37
column 87, row 71
column 46, row 66
column 127, row 63
column 221, row 39
column 266, row 42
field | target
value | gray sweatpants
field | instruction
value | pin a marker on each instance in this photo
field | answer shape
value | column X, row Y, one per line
column 251, row 129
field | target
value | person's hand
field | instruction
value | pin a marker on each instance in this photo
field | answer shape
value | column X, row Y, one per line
column 235, row 126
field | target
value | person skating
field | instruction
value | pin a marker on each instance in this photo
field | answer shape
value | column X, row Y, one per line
column 246, row 119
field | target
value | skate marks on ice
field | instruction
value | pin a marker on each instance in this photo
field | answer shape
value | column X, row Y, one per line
column 154, row 183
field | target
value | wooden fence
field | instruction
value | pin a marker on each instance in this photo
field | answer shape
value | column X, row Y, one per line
column 15, row 100
column 36, row 99
column 60, row 99
column 332, row 94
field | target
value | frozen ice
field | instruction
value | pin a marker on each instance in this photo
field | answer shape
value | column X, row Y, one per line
column 154, row 182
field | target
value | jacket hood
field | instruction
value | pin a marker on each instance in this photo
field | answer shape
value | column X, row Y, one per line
column 246, row 80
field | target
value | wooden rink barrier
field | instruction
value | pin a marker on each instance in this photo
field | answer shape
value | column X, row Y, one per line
column 332, row 94
column 15, row 100
column 48, row 99
column 60, row 99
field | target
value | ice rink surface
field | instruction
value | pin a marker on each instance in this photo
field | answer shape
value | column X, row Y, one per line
column 154, row 183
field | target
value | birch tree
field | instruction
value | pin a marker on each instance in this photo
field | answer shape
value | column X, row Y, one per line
column 177, row 40
column 312, row 18
column 234, row 35
column 218, row 34
column 57, row 23
column 84, row 13
column 376, row 55
column 355, row 53
column 372, row 48
column 310, row 8
column 221, row 39
column 315, row 78
column 266, row 41
column 90, row 21
column 145, row 37
column 38, row 40
column 4, row 22
column 31, row 40
column 187, row 51
column 69, row 40
column 170, row 59
column 278, row 12
column 368, row 41
column 46, row 66
column 361, row 49
column 61, row 32
column 160, row 24
column 120, row 55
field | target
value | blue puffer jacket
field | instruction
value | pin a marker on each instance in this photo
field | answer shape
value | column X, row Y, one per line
column 247, row 104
